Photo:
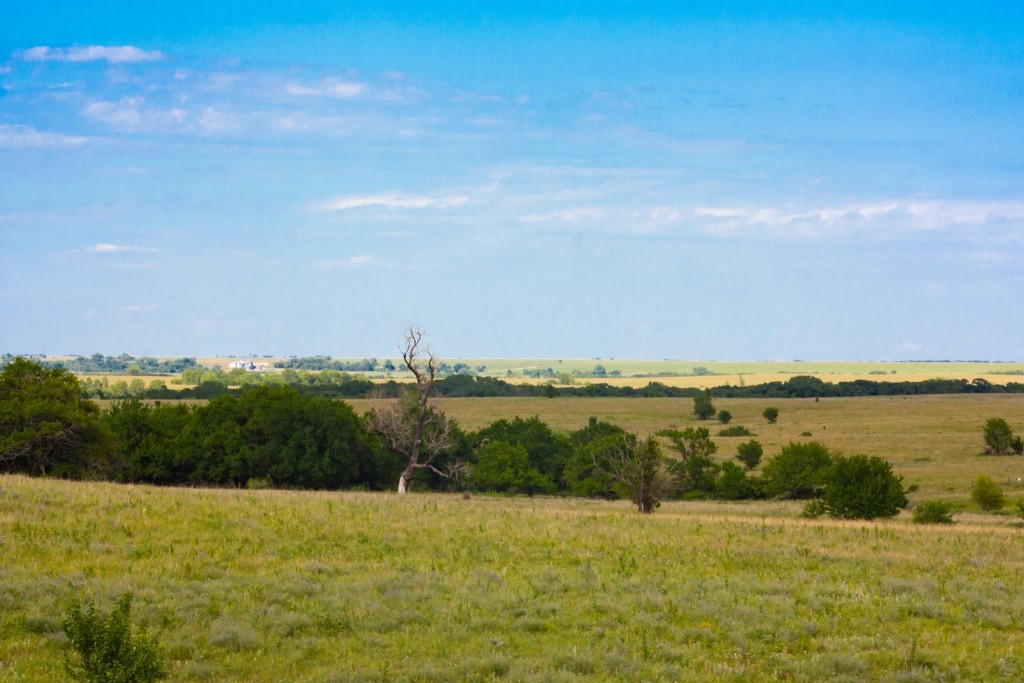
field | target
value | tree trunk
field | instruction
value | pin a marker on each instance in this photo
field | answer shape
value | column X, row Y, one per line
column 404, row 480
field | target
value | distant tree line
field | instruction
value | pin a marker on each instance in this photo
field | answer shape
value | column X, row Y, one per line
column 116, row 365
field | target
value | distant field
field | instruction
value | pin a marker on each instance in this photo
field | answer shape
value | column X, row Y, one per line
column 677, row 373
column 317, row 587
column 934, row 441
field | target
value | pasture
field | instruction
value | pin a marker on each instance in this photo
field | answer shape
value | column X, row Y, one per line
column 273, row 585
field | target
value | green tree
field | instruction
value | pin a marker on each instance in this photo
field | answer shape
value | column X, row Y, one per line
column 549, row 452
column 999, row 438
column 586, row 470
column 771, row 414
column 798, row 470
column 862, row 487
column 750, row 453
column 46, row 427
column 724, row 416
column 702, row 406
column 695, row 470
column 734, row 484
column 987, row 494
column 506, row 468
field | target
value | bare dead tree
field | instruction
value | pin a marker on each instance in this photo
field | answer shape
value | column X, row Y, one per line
column 410, row 425
column 640, row 472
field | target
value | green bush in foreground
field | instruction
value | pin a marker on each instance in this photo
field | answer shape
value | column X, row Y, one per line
column 862, row 487
column 933, row 512
column 987, row 494
column 109, row 650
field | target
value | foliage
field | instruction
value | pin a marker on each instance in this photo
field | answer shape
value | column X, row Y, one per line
column 46, row 427
column 735, row 430
column 933, row 512
column 987, row 494
column 702, row 406
column 734, row 484
column 799, row 470
column 506, row 468
column 695, row 470
column 640, row 472
column 749, row 453
column 771, row 414
column 586, row 471
column 862, row 487
column 724, row 416
column 548, row 452
column 109, row 649
column 999, row 438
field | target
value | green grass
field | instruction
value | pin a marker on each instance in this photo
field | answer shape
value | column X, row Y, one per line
column 260, row 586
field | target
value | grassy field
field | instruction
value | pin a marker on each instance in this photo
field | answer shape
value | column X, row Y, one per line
column 273, row 586
column 933, row 441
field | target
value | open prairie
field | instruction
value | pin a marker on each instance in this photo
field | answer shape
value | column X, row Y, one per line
column 268, row 585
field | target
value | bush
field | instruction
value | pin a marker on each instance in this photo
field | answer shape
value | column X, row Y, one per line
column 933, row 512
column 999, row 438
column 735, row 430
column 987, row 494
column 724, row 416
column 771, row 414
column 734, row 484
column 750, row 453
column 109, row 650
column 862, row 487
column 797, row 471
column 702, row 406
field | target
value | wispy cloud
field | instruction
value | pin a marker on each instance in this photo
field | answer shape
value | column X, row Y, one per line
column 576, row 215
column 349, row 263
column 132, row 114
column 113, row 54
column 882, row 217
column 330, row 87
column 107, row 248
column 392, row 200
column 139, row 308
column 27, row 136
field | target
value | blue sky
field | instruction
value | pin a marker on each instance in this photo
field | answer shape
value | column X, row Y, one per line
column 642, row 180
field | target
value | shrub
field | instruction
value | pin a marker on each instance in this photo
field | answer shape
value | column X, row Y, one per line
column 797, row 471
column 735, row 430
column 933, row 512
column 987, row 494
column 702, row 406
column 771, row 414
column 109, row 649
column 814, row 508
column 750, row 453
column 734, row 484
column 999, row 438
column 724, row 416
column 862, row 487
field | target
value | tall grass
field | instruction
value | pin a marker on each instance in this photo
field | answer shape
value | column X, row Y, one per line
column 270, row 585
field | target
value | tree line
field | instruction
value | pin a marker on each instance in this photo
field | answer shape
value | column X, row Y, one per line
column 277, row 436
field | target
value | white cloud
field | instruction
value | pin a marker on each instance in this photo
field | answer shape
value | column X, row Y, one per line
column 5, row 69
column 577, row 215
column 881, row 217
column 330, row 87
column 349, row 263
column 26, row 136
column 131, row 114
column 113, row 54
column 139, row 308
column 392, row 201
column 106, row 248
